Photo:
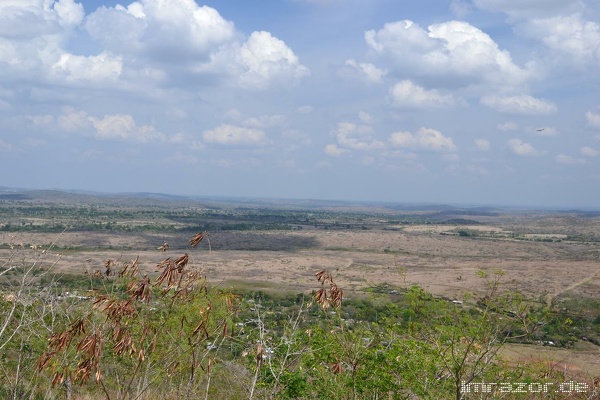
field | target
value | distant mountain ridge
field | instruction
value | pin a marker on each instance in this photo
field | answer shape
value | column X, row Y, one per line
column 92, row 197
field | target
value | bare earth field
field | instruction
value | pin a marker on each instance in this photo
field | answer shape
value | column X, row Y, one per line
column 445, row 265
column 434, row 257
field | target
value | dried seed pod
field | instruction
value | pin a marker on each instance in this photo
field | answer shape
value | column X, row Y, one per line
column 336, row 368
column 181, row 262
column 197, row 238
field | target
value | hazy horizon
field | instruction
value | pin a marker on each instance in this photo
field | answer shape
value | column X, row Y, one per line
column 419, row 205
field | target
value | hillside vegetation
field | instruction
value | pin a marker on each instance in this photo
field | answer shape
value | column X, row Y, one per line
column 121, row 330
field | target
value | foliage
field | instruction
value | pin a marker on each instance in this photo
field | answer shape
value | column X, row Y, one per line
column 174, row 336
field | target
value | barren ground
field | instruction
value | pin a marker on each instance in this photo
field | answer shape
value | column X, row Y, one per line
column 443, row 264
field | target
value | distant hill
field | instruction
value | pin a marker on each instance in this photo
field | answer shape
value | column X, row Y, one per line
column 441, row 211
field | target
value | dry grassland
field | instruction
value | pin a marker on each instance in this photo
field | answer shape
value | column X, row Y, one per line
column 443, row 264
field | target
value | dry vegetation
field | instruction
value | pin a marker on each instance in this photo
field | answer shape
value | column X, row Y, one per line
column 552, row 257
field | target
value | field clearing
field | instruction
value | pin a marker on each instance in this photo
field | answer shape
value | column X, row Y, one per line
column 443, row 265
column 286, row 261
column 584, row 360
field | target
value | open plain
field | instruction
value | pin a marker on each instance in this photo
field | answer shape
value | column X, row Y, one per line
column 551, row 256
column 443, row 263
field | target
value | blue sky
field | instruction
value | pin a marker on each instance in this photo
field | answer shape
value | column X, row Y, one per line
column 464, row 101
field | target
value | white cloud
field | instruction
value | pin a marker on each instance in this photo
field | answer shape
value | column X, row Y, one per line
column 368, row 71
column 123, row 127
column 568, row 160
column 365, row 117
column 335, row 151
column 264, row 59
column 558, row 24
column 593, row 119
column 357, row 137
column 72, row 68
column 235, row 135
column 408, row 94
column 571, row 37
column 451, row 49
column 166, row 31
column 425, row 139
column 522, row 104
column 33, row 34
column 74, row 121
column 176, row 37
column 482, row 144
column 233, row 114
column 521, row 148
column 589, row 151
column 32, row 18
column 109, row 127
column 70, row 14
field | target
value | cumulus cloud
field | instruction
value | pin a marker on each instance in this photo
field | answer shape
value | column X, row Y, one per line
column 232, row 135
column 265, row 58
column 167, row 31
column 570, row 36
column 357, row 137
column 368, row 71
column 123, row 127
column 26, row 19
column 33, row 34
column 523, row 104
column 558, row 24
column 100, row 68
column 335, row 151
column 149, row 42
column 408, row 94
column 451, row 49
column 425, row 139
column 108, row 127
column 72, row 120
column 520, row 148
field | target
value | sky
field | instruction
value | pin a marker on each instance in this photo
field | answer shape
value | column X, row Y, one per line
column 491, row 102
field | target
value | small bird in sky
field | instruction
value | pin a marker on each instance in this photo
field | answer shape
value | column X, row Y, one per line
column 541, row 129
